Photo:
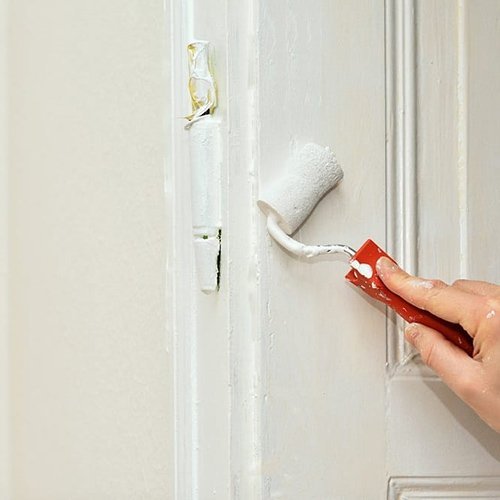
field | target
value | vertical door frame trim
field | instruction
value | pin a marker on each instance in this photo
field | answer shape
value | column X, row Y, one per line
column 234, row 313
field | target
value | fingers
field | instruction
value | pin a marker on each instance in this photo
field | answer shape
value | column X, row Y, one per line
column 449, row 303
column 460, row 372
column 477, row 287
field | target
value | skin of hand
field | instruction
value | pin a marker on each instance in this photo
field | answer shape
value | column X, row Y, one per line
column 476, row 306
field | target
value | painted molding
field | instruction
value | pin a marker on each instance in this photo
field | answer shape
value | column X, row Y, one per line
column 401, row 153
column 411, row 488
column 414, row 145
column 182, row 309
column 462, row 127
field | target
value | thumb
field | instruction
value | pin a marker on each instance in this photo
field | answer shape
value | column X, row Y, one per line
column 452, row 364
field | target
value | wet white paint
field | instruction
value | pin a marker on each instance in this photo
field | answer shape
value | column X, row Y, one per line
column 363, row 269
column 298, row 248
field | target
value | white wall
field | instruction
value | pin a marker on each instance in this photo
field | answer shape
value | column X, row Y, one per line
column 90, row 377
column 4, row 370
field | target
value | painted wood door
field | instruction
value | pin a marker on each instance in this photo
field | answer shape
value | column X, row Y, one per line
column 289, row 383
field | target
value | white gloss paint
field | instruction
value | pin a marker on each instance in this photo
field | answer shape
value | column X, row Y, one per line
column 312, row 405
column 245, row 358
column 462, row 125
column 205, row 157
column 364, row 269
column 313, row 423
column 300, row 249
column 206, row 161
column 287, row 383
column 455, row 91
column 198, row 324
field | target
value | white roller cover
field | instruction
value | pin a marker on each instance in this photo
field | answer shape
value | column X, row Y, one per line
column 293, row 197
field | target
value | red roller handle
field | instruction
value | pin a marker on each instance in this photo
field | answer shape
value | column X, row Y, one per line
column 371, row 284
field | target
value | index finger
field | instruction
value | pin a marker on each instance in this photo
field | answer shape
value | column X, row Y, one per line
column 435, row 296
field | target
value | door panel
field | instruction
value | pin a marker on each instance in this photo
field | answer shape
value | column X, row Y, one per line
column 322, row 342
column 307, row 385
column 430, row 431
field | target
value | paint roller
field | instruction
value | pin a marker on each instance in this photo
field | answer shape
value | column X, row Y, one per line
column 288, row 202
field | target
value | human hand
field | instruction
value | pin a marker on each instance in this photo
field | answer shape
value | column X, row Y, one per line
column 475, row 305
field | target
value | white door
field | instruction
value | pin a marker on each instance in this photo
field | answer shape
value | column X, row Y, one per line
column 289, row 382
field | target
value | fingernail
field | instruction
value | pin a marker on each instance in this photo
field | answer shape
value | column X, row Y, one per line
column 385, row 266
column 411, row 333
